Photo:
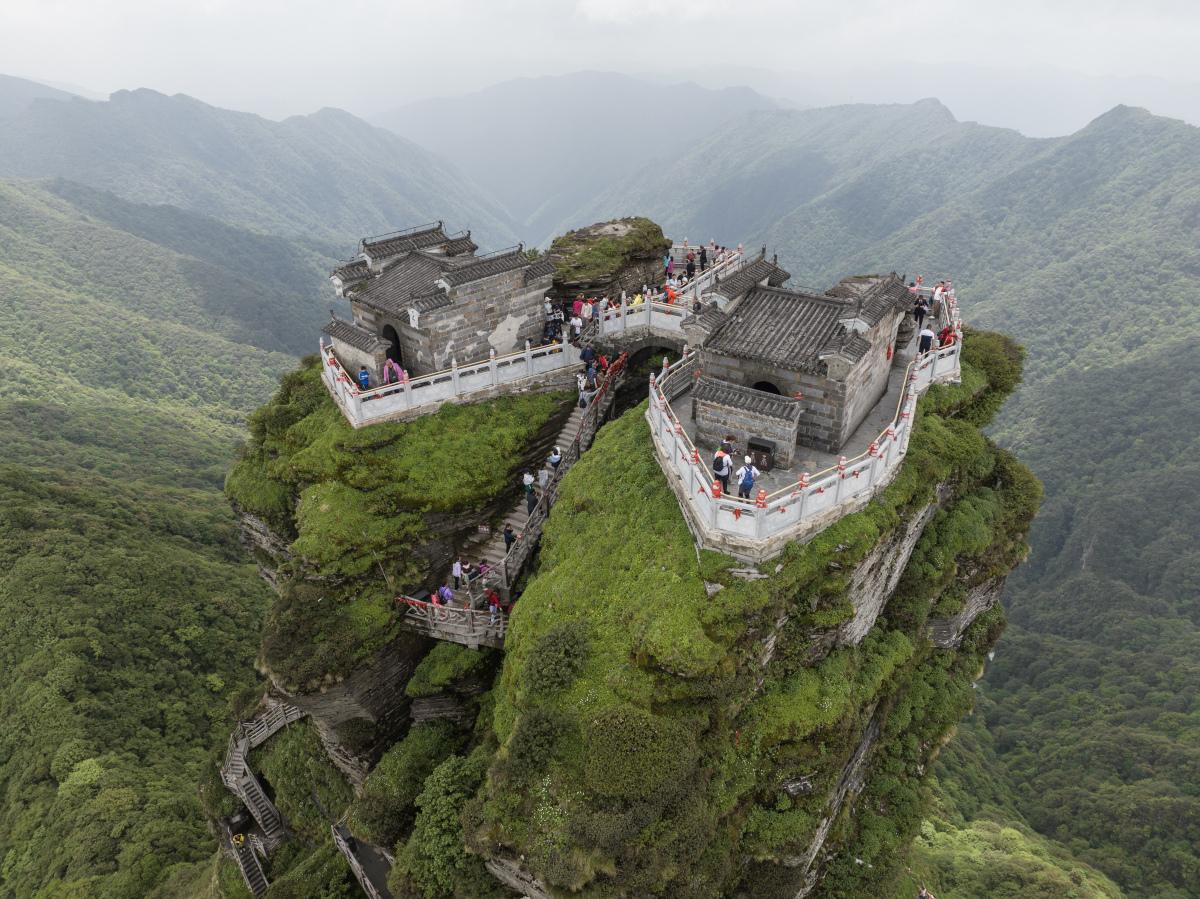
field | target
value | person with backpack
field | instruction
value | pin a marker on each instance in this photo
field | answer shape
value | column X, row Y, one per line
column 745, row 478
column 528, row 480
column 722, row 468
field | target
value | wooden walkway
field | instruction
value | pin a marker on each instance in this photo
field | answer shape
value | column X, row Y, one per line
column 245, row 785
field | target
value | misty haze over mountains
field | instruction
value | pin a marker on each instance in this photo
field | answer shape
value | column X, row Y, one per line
column 179, row 250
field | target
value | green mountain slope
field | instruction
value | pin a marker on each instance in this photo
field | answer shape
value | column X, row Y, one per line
column 129, row 614
column 1084, row 249
column 327, row 176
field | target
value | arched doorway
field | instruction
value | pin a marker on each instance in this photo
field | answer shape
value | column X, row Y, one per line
column 389, row 333
column 767, row 387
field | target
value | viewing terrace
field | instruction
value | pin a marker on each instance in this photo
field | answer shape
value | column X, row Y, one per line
column 816, row 489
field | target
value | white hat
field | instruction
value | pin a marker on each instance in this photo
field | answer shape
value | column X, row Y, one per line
column 749, row 460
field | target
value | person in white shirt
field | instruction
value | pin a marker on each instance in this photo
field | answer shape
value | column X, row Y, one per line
column 925, row 343
column 746, row 476
column 457, row 571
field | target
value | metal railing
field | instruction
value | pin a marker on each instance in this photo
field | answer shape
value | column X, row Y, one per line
column 757, row 528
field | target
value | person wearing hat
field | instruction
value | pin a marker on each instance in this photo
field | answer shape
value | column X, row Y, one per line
column 746, row 476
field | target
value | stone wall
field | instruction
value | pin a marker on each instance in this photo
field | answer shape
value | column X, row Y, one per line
column 352, row 358
column 498, row 313
column 867, row 381
column 715, row 420
column 823, row 408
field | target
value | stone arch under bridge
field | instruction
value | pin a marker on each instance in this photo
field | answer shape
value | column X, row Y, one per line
column 642, row 346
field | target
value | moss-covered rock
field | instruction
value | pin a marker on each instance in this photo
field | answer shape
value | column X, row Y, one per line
column 666, row 716
column 368, row 512
column 598, row 256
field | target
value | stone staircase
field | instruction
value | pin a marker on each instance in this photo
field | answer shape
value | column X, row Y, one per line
column 490, row 548
column 467, row 621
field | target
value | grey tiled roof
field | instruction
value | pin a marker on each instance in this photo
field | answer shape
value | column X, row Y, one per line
column 746, row 398
column 711, row 317
column 877, row 294
column 540, row 268
column 417, row 238
column 486, row 266
column 458, row 245
column 781, row 327
column 846, row 343
column 355, row 335
column 753, row 273
column 352, row 271
column 435, row 299
column 411, row 276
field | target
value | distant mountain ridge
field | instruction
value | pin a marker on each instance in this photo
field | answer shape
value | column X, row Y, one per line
column 327, row 177
column 17, row 94
column 545, row 146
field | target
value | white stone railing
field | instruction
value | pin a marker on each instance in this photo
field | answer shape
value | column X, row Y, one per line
column 664, row 318
column 459, row 382
column 705, row 280
column 759, row 528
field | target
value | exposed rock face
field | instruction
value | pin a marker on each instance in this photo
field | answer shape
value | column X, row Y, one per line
column 875, row 579
column 268, row 548
column 374, row 692
column 605, row 258
column 510, row 873
column 947, row 633
column 849, row 784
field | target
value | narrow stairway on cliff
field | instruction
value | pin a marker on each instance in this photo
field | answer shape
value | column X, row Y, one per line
column 490, row 548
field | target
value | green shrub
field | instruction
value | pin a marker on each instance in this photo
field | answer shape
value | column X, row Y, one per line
column 632, row 752
column 557, row 658
column 434, row 859
column 386, row 806
column 446, row 664
column 534, row 741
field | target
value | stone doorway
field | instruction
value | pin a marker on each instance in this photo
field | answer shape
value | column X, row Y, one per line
column 393, row 353
column 767, row 387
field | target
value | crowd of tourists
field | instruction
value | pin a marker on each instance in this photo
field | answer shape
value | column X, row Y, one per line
column 931, row 308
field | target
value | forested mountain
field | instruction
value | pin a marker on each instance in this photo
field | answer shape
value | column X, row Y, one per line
column 546, row 146
column 327, row 177
column 128, row 611
column 1084, row 249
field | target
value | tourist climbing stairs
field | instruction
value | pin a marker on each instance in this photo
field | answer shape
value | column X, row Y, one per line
column 248, row 862
column 468, row 620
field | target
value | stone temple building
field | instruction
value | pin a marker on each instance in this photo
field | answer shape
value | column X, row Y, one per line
column 423, row 298
column 784, row 367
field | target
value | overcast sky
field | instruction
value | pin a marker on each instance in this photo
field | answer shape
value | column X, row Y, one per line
column 280, row 57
